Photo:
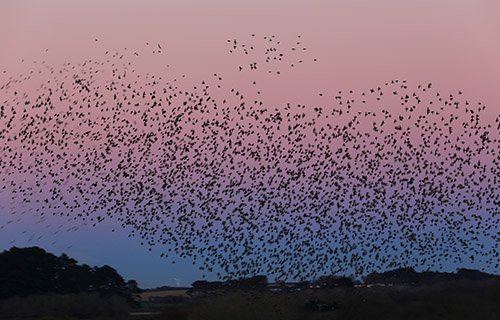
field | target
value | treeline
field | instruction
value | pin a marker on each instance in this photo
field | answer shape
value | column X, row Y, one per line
column 256, row 282
column 33, row 271
column 392, row 277
column 410, row 276
column 164, row 288
column 403, row 276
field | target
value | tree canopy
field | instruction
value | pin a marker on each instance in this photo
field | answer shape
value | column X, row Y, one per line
column 27, row 271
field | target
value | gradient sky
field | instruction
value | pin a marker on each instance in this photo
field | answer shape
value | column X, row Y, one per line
column 359, row 44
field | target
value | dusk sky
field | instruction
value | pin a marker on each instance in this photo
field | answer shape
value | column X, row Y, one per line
column 350, row 45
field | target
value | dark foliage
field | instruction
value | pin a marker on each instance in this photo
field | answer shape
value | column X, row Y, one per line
column 164, row 288
column 454, row 300
column 334, row 281
column 30, row 271
column 409, row 275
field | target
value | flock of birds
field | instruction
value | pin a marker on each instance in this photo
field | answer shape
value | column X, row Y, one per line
column 275, row 53
column 398, row 175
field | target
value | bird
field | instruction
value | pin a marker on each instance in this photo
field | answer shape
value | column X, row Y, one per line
column 241, row 186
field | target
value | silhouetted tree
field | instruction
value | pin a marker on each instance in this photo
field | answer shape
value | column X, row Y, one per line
column 201, row 284
column 397, row 276
column 27, row 271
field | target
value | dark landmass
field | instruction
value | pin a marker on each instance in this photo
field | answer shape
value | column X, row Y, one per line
column 402, row 276
column 33, row 271
column 456, row 299
column 35, row 284
column 165, row 288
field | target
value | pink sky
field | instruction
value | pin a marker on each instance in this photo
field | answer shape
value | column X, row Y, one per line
column 359, row 44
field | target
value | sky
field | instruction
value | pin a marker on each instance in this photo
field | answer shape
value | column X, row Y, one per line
column 357, row 45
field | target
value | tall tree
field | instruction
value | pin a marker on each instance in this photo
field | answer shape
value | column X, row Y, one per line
column 25, row 271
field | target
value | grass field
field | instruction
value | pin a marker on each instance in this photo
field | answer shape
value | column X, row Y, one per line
column 166, row 293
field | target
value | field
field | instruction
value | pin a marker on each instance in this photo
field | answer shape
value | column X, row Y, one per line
column 166, row 293
column 456, row 300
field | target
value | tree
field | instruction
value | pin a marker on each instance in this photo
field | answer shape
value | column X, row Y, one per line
column 106, row 280
column 397, row 276
column 27, row 271
column 132, row 292
column 200, row 284
column 255, row 282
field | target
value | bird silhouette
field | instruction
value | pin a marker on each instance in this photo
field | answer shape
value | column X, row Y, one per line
column 397, row 175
